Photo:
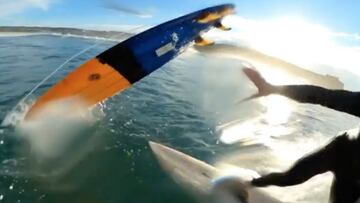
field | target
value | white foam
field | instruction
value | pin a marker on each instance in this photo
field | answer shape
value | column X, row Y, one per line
column 17, row 34
column 56, row 139
column 52, row 128
column 17, row 114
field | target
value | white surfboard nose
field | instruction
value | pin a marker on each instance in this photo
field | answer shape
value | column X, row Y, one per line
column 159, row 149
column 154, row 145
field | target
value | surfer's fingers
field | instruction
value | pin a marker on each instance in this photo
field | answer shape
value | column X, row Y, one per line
column 264, row 88
column 251, row 72
column 254, row 96
column 254, row 76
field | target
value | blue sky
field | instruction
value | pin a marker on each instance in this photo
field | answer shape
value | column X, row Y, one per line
column 338, row 15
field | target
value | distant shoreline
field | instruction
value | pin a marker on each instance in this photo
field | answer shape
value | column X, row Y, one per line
column 8, row 31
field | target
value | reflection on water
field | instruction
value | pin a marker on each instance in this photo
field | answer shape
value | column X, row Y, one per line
column 276, row 111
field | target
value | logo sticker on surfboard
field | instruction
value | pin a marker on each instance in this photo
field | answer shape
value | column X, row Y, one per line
column 164, row 49
column 169, row 46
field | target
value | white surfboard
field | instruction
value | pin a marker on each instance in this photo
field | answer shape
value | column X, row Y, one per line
column 206, row 181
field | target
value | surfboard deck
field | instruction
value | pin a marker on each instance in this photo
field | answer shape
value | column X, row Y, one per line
column 198, row 176
column 119, row 67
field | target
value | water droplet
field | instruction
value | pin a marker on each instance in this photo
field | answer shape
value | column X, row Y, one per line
column 1, row 142
column 11, row 187
column 1, row 197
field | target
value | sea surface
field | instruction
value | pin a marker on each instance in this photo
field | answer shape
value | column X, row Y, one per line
column 190, row 104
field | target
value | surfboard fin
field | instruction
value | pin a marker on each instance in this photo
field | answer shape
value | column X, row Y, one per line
column 200, row 41
column 220, row 26
column 209, row 17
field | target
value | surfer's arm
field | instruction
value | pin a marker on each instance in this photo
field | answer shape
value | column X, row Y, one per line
column 307, row 167
column 340, row 100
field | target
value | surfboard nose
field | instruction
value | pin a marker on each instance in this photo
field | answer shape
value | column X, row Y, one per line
column 156, row 147
column 152, row 144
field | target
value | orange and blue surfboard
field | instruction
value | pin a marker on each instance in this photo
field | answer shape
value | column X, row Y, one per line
column 133, row 59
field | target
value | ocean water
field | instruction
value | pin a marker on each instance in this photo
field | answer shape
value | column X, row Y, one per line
column 189, row 104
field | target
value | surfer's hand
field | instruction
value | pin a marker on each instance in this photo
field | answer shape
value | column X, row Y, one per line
column 264, row 88
column 270, row 179
column 258, row 182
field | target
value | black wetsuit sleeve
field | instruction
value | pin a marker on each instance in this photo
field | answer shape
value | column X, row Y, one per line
column 313, row 164
column 339, row 100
